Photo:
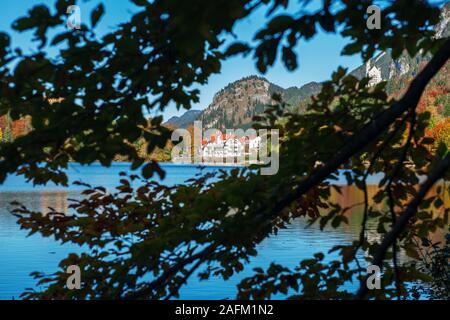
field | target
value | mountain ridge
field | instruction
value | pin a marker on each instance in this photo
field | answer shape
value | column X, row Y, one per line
column 185, row 119
column 235, row 104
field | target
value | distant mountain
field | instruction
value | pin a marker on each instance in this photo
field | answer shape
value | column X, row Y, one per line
column 235, row 105
column 185, row 120
column 384, row 68
column 443, row 27
column 294, row 95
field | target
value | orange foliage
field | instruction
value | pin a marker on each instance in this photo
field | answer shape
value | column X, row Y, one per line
column 440, row 133
column 18, row 127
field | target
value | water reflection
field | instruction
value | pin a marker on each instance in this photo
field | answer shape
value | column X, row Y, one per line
column 20, row 255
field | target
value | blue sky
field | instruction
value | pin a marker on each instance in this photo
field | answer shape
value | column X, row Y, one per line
column 318, row 58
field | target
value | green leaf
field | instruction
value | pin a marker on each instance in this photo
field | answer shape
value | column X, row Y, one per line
column 438, row 203
column 97, row 14
column 441, row 150
column 280, row 23
column 140, row 3
column 412, row 252
column 236, row 48
column 289, row 59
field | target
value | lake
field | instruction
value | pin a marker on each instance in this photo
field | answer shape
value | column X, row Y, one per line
column 20, row 255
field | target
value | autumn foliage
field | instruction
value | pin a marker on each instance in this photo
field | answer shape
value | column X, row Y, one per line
column 436, row 101
column 13, row 129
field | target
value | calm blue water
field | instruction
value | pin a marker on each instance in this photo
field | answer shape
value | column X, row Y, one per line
column 20, row 255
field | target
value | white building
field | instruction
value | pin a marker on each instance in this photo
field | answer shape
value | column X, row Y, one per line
column 228, row 145
column 254, row 143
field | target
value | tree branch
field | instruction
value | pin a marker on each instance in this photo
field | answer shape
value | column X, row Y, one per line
column 403, row 220
column 358, row 142
column 367, row 134
column 391, row 198
column 362, row 234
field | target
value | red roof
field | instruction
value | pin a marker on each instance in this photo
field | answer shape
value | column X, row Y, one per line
column 227, row 136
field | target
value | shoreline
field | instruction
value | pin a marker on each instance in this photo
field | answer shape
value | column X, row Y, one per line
column 200, row 164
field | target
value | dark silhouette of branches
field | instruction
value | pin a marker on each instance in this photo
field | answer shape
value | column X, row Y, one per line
column 366, row 135
column 391, row 197
column 370, row 131
column 181, row 228
column 375, row 157
column 402, row 221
